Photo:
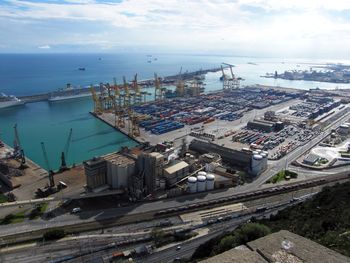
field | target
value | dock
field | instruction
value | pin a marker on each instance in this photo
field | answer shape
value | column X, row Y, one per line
column 167, row 80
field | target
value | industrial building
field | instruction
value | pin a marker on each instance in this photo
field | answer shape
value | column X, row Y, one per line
column 150, row 167
column 261, row 125
column 119, row 170
column 243, row 159
column 95, row 172
column 175, row 171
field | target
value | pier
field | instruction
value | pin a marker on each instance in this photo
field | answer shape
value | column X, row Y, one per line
column 168, row 80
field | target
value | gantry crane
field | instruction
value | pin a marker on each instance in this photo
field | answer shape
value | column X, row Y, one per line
column 229, row 83
column 118, row 109
column 158, row 90
column 180, row 86
column 64, row 153
column 137, row 91
column 98, row 108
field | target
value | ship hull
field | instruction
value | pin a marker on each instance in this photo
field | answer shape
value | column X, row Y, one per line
column 69, row 97
column 8, row 104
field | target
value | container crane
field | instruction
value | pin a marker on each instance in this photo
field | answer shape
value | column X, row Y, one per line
column 137, row 90
column 51, row 173
column 118, row 111
column 98, row 109
column 64, row 153
column 180, row 86
column 158, row 92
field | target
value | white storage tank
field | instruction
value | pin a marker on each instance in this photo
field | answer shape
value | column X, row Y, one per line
column 201, row 183
column 255, row 152
column 192, row 184
column 210, row 181
column 202, row 173
column 264, row 156
column 257, row 164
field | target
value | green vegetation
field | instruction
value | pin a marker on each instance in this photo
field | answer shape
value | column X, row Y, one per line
column 13, row 218
column 38, row 211
column 3, row 198
column 54, row 234
column 240, row 236
column 324, row 219
column 282, row 175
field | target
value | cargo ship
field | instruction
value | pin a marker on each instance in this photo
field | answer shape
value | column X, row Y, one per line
column 9, row 101
column 69, row 93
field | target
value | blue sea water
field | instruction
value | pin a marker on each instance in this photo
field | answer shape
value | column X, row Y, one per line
column 26, row 74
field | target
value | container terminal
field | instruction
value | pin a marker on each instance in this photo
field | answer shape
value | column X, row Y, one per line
column 198, row 147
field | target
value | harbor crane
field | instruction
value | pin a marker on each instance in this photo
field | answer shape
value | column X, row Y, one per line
column 18, row 150
column 51, row 173
column 159, row 91
column 118, row 110
column 64, row 153
column 98, row 109
column 229, row 83
column 137, row 90
column 180, row 86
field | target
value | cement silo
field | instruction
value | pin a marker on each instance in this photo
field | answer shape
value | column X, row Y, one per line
column 202, row 173
column 264, row 164
column 201, row 183
column 257, row 164
column 192, row 184
column 210, row 181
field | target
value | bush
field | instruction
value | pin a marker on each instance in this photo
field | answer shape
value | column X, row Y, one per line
column 54, row 234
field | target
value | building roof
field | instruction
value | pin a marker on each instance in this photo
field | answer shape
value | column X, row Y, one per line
column 176, row 167
column 311, row 158
column 282, row 246
column 118, row 159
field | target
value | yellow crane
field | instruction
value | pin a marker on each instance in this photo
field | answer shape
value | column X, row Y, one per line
column 158, row 90
column 98, row 108
column 118, row 110
column 180, row 86
column 137, row 90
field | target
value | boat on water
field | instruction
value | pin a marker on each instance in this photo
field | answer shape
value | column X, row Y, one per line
column 9, row 101
column 69, row 93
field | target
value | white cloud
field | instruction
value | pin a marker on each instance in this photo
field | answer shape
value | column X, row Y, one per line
column 197, row 24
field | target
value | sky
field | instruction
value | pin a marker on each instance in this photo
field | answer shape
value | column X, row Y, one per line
column 289, row 28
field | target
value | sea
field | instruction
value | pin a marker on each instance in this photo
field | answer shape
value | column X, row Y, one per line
column 28, row 74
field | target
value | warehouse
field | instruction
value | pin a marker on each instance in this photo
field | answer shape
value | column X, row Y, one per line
column 260, row 125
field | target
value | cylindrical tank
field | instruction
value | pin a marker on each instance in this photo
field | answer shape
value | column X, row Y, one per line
column 255, row 152
column 256, row 166
column 192, row 184
column 201, row 184
column 157, row 182
column 264, row 164
column 201, row 173
column 210, row 181
column 162, row 183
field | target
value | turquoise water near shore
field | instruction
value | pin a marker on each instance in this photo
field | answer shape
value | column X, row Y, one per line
column 26, row 74
column 50, row 123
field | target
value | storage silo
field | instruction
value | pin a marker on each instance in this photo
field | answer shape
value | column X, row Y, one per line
column 201, row 183
column 210, row 181
column 192, row 184
column 162, row 183
column 264, row 160
column 256, row 165
column 202, row 173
